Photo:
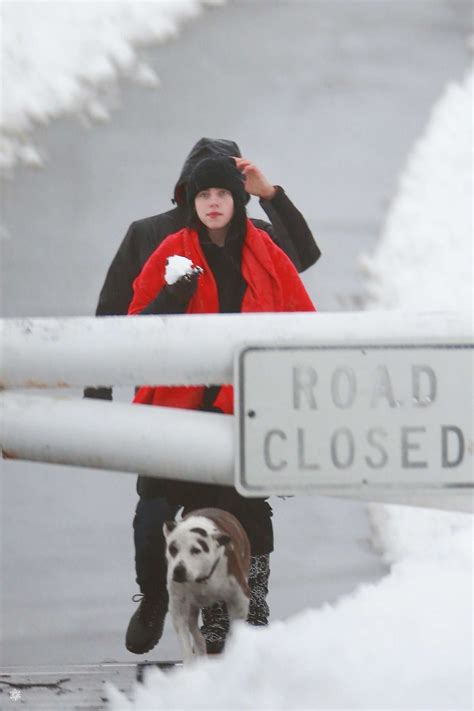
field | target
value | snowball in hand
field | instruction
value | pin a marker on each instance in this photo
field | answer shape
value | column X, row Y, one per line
column 177, row 267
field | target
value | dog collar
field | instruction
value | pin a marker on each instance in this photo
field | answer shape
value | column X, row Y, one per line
column 204, row 579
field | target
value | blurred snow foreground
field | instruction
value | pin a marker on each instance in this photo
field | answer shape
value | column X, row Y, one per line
column 64, row 57
column 424, row 260
column 404, row 642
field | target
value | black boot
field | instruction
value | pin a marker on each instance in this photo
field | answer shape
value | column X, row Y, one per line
column 216, row 619
column 146, row 624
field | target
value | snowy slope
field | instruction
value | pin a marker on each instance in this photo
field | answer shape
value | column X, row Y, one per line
column 65, row 57
column 424, row 260
column 403, row 643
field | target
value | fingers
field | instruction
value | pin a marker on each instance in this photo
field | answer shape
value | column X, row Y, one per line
column 246, row 166
column 255, row 181
column 194, row 275
column 184, row 289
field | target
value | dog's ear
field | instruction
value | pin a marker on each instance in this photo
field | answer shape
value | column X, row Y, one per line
column 168, row 527
column 222, row 539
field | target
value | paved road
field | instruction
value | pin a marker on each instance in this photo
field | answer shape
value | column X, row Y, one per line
column 328, row 97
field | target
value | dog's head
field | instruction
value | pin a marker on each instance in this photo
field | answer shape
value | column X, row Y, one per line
column 193, row 549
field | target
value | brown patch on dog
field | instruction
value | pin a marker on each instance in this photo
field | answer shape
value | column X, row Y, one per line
column 238, row 551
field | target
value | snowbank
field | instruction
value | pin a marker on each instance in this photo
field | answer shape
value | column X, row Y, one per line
column 62, row 57
column 403, row 643
column 424, row 260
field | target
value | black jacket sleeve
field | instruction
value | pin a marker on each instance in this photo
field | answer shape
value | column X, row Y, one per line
column 290, row 231
column 117, row 291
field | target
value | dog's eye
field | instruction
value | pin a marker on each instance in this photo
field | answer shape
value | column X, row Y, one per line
column 173, row 551
column 195, row 551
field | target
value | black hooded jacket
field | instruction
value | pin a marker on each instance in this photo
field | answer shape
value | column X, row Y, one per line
column 288, row 229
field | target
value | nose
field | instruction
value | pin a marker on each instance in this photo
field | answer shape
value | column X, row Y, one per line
column 179, row 573
column 214, row 197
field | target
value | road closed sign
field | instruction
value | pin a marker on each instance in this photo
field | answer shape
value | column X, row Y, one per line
column 342, row 416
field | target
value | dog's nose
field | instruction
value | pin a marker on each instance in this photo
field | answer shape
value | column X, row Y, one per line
column 179, row 573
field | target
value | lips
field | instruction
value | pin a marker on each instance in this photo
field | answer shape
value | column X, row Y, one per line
column 214, row 214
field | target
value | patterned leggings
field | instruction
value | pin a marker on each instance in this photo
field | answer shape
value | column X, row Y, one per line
column 215, row 618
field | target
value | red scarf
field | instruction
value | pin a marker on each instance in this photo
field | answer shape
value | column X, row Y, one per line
column 273, row 285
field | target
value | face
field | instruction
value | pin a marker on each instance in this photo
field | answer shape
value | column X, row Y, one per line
column 192, row 547
column 214, row 207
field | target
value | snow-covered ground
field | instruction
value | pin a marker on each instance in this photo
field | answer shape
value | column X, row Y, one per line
column 402, row 643
column 67, row 57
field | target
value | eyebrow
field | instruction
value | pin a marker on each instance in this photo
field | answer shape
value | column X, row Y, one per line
column 200, row 531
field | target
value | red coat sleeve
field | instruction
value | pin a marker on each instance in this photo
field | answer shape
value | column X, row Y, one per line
column 151, row 279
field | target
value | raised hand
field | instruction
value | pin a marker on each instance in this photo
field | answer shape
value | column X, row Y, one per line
column 255, row 181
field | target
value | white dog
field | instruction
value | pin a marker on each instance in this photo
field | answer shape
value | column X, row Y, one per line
column 208, row 555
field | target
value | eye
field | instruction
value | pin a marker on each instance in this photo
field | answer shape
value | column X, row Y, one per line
column 203, row 195
column 223, row 193
column 195, row 551
column 173, row 550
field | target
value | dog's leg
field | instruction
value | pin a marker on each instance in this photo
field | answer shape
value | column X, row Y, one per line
column 238, row 605
column 180, row 612
column 199, row 643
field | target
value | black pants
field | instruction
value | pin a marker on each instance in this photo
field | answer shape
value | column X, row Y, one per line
column 150, row 559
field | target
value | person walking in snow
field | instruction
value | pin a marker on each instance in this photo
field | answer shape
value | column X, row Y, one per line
column 290, row 231
column 234, row 267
